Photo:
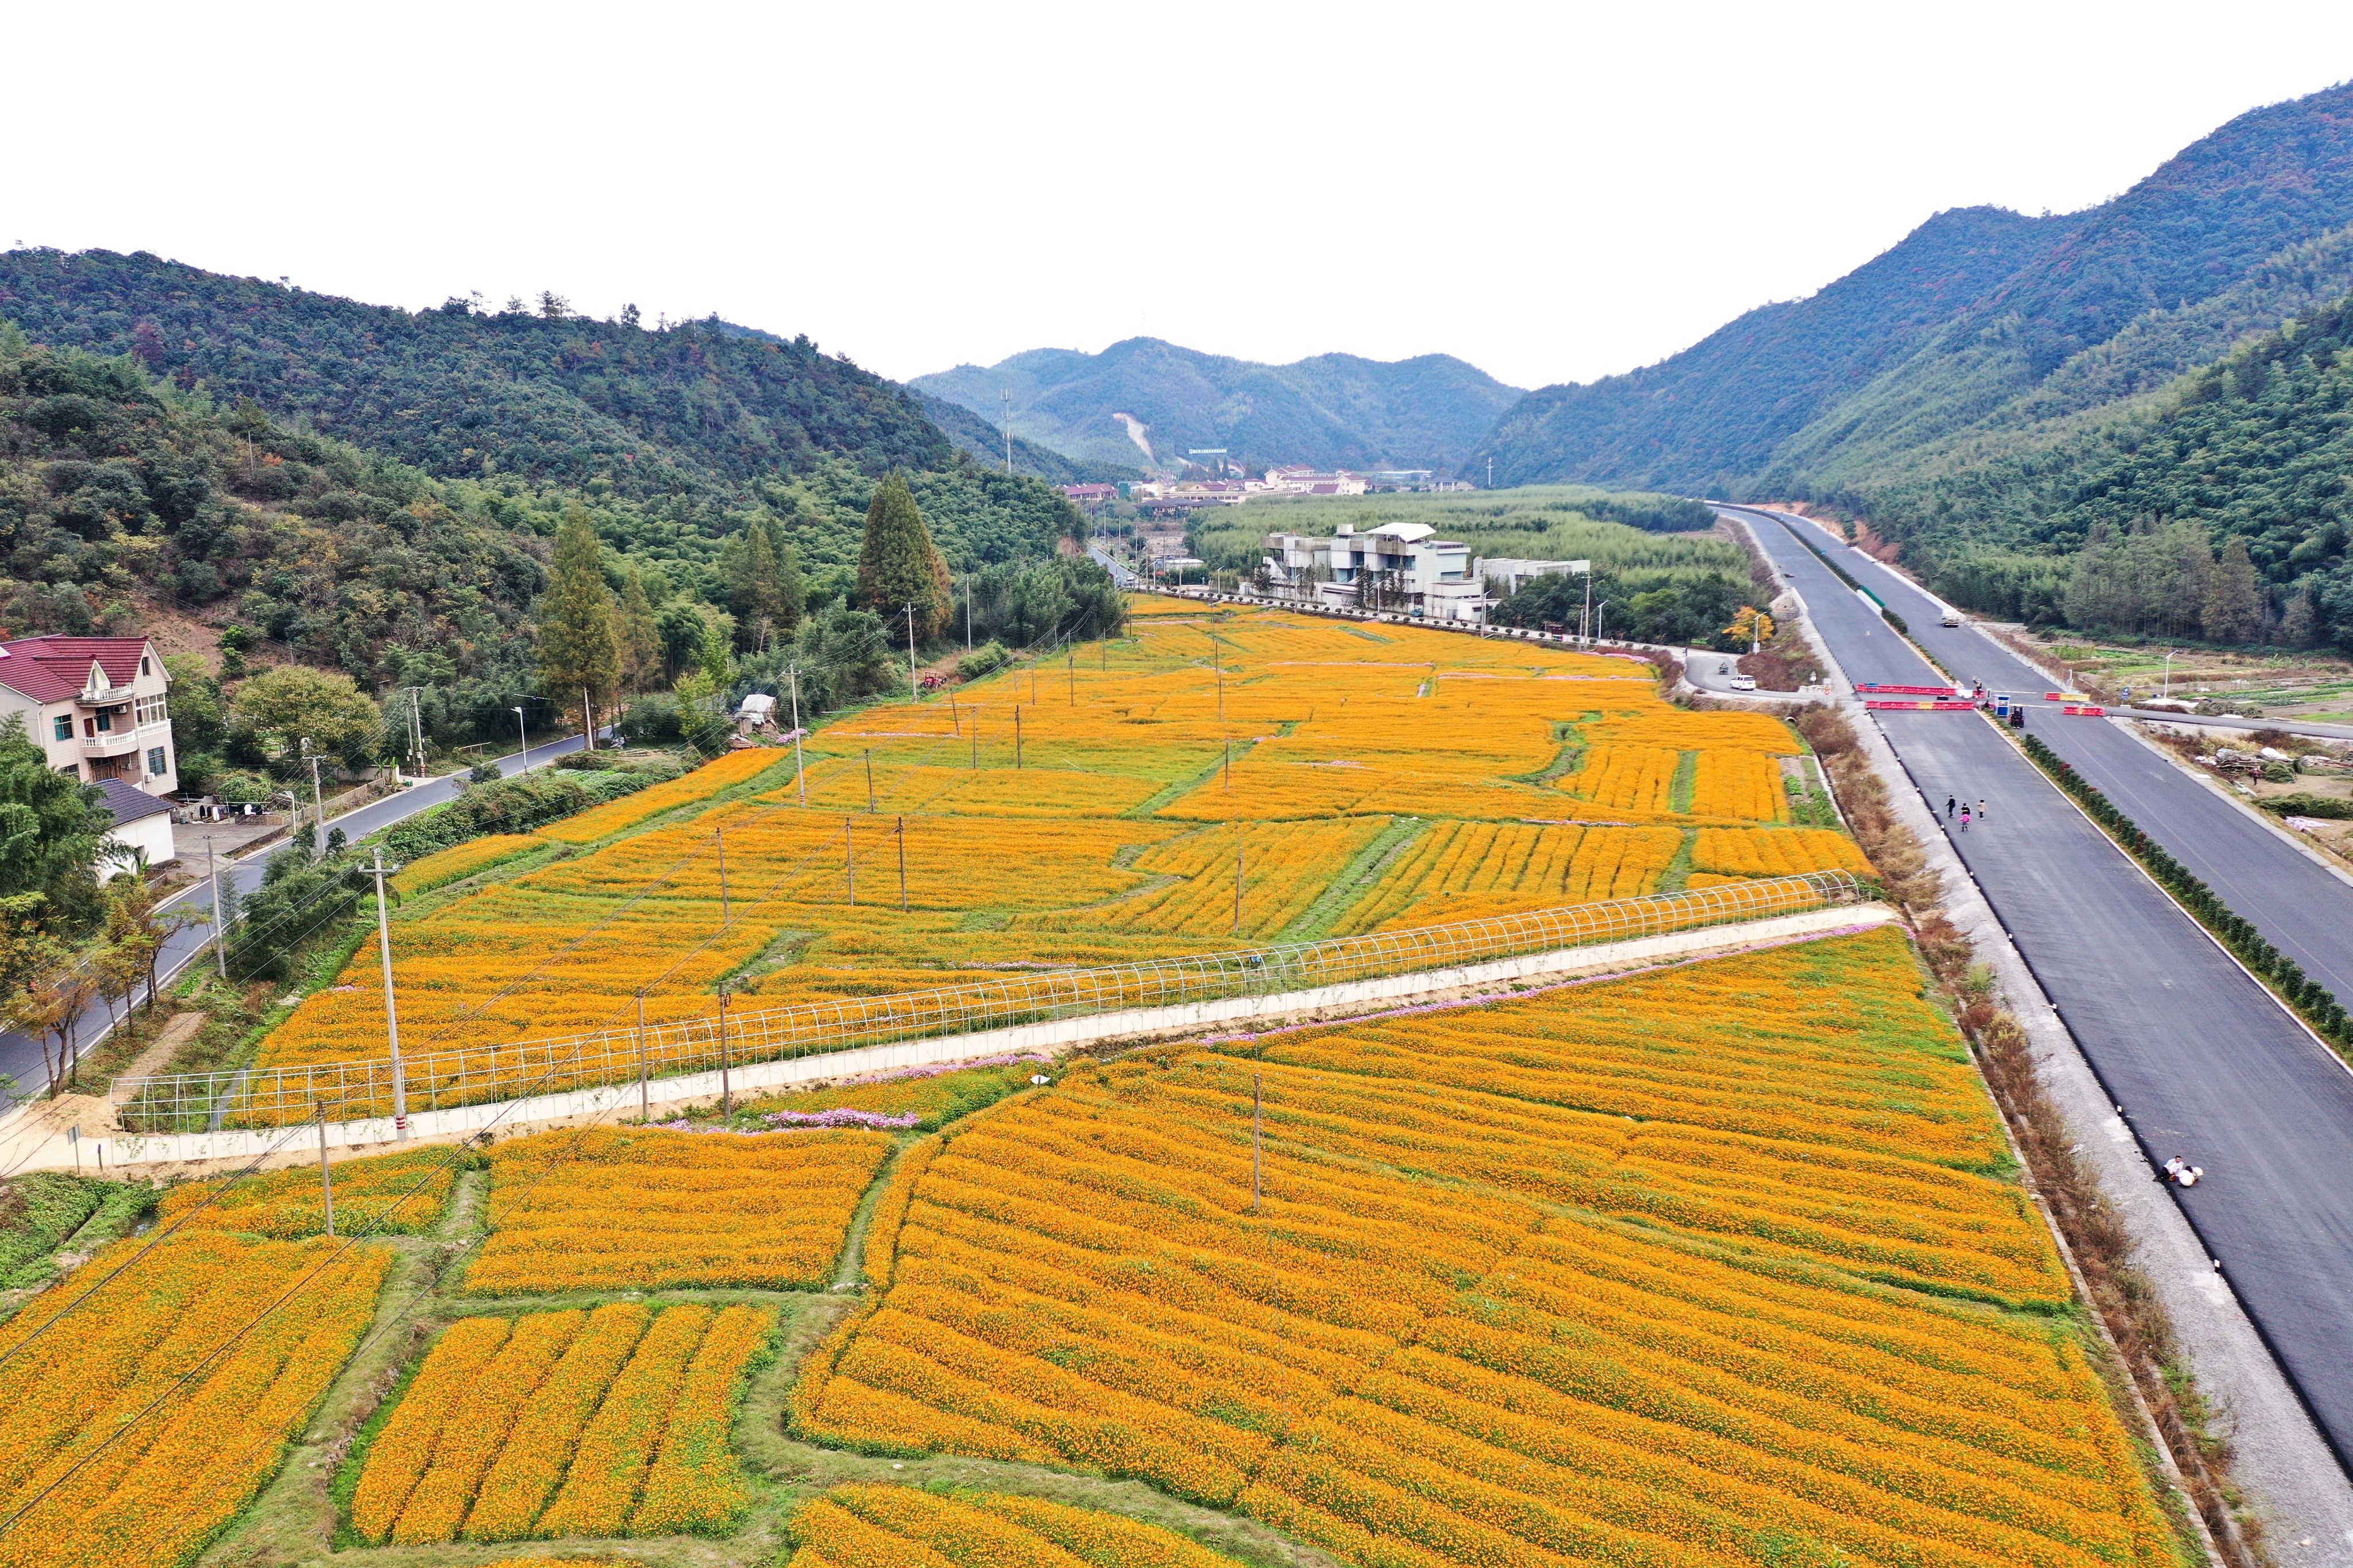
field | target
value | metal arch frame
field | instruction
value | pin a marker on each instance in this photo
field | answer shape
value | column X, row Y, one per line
column 277, row 1097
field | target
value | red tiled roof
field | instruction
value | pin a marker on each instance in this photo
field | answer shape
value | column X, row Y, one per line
column 57, row 668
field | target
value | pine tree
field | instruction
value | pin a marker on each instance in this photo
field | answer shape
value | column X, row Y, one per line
column 577, row 653
column 2301, row 625
column 2234, row 603
column 898, row 565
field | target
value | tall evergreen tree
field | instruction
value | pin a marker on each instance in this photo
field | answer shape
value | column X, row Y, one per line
column 579, row 656
column 2234, row 603
column 898, row 565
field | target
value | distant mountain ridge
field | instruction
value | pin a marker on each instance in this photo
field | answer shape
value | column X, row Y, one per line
column 1954, row 331
column 1329, row 411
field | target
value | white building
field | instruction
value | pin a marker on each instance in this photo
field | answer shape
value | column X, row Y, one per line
column 140, row 822
column 1398, row 565
column 95, row 705
column 1506, row 575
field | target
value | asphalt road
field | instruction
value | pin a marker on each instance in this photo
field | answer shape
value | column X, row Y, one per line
column 2202, row 1062
column 2303, row 908
column 21, row 1073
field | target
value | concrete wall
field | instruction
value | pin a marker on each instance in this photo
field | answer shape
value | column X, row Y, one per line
column 130, row 1150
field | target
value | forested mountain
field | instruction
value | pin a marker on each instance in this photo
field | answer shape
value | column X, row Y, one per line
column 461, row 391
column 1961, row 325
column 1331, row 411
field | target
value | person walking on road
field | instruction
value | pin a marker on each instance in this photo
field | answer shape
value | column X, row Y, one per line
column 1980, row 810
column 1949, row 809
column 1965, row 819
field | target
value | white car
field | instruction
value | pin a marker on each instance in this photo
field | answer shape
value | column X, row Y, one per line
column 1743, row 683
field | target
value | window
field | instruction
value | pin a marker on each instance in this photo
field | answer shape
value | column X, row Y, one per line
column 105, row 720
column 157, row 763
column 62, row 728
column 150, row 710
column 143, row 667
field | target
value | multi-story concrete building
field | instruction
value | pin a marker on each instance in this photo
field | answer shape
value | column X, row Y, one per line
column 1397, row 566
column 96, row 705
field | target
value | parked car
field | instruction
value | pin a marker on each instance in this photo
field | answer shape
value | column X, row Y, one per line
column 1743, row 683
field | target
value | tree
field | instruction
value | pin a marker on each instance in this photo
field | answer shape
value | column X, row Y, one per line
column 2234, row 602
column 281, row 708
column 637, row 633
column 898, row 565
column 2301, row 622
column 52, row 829
column 764, row 585
column 577, row 653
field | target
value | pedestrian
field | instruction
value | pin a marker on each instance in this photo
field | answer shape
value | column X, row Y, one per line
column 1948, row 807
column 1965, row 819
column 1981, row 810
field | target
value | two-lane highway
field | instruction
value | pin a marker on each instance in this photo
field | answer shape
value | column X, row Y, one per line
column 2200, row 1059
column 21, row 1073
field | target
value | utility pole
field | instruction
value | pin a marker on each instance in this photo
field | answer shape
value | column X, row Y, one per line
column 850, row 854
column 1218, row 657
column 220, row 912
column 644, row 1113
column 902, row 865
column 1016, row 737
column 1229, row 775
column 913, row 694
column 523, row 739
column 318, row 801
column 967, row 611
column 870, row 781
column 800, row 777
column 1071, row 669
column 1008, row 430
column 975, row 740
column 726, row 1086
column 1585, row 627
column 587, row 721
column 726, row 918
column 1491, row 471
column 1240, row 847
column 391, row 1012
column 326, row 1178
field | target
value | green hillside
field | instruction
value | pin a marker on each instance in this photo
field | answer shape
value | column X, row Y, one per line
column 974, row 434
column 1330, row 411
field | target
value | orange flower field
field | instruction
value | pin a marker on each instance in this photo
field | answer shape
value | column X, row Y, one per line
column 1080, row 812
column 1642, row 1270
column 609, row 1422
column 463, row 860
column 383, row 1194
column 898, row 1527
column 702, row 1209
column 157, row 1489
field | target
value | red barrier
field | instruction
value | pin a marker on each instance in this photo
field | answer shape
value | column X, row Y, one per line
column 2084, row 711
column 1907, row 690
column 1932, row 707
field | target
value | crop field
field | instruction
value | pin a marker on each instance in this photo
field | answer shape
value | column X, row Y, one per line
column 1090, row 810
column 702, row 1209
column 98, row 1488
column 611, row 1421
column 898, row 1526
column 1720, row 1264
column 383, row 1194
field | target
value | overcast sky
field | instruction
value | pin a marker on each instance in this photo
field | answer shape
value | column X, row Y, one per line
column 1551, row 191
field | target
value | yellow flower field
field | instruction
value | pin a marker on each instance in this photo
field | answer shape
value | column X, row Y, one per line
column 383, row 1194
column 461, row 860
column 899, row 1527
column 1761, row 852
column 588, row 1423
column 1644, row 1271
column 702, row 1209
column 140, row 1488
column 1069, row 813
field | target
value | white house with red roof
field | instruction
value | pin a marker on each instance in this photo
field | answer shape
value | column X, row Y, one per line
column 96, row 705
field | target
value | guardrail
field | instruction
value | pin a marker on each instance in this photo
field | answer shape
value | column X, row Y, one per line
column 283, row 1095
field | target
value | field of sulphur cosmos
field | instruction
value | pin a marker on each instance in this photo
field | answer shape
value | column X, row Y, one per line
column 1723, row 1262
column 1091, row 809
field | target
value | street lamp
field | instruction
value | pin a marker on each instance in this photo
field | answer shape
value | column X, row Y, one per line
column 523, row 736
column 2167, row 690
column 1598, row 611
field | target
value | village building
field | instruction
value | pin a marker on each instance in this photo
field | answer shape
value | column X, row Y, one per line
column 95, row 706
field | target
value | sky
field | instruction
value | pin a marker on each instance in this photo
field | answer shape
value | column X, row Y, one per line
column 1553, row 192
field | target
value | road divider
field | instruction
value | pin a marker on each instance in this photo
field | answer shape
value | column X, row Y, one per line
column 2311, row 1001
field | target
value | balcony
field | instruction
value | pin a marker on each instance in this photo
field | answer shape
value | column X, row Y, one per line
column 112, row 744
